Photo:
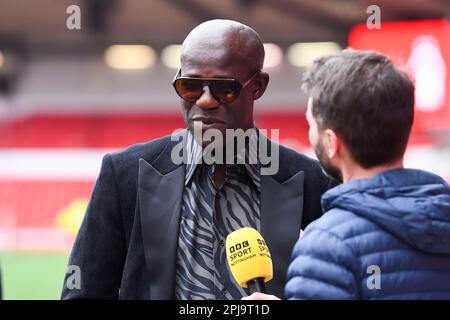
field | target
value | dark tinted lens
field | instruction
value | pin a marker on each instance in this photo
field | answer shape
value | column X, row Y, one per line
column 189, row 89
column 225, row 90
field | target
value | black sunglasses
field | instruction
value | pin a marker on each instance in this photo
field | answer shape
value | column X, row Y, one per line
column 224, row 90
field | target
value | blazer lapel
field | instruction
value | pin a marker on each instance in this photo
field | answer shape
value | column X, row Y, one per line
column 281, row 215
column 160, row 189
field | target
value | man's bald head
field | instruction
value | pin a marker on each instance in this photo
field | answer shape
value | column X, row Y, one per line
column 223, row 49
column 227, row 40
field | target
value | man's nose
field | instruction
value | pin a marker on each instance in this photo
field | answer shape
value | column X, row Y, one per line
column 207, row 100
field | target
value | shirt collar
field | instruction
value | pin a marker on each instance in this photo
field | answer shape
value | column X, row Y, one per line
column 195, row 154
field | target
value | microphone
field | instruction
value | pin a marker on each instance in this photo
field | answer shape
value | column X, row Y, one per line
column 249, row 259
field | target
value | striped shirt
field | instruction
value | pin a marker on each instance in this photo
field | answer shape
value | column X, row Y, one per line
column 208, row 215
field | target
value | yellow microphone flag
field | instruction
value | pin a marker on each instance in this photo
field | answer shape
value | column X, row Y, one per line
column 248, row 256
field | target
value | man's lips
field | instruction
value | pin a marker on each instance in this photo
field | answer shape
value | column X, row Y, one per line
column 208, row 120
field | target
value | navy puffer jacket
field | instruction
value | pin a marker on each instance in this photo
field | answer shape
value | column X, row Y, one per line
column 382, row 238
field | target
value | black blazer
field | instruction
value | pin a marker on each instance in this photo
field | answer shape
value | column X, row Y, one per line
column 127, row 244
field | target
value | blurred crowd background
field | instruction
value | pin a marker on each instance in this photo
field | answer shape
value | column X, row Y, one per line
column 68, row 96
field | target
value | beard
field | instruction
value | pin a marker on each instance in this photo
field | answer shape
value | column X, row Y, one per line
column 327, row 167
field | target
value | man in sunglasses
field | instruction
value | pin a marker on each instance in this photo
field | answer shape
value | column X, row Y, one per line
column 155, row 228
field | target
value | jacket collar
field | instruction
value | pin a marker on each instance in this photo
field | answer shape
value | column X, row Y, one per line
column 160, row 190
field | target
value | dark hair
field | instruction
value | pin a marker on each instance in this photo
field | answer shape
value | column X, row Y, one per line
column 366, row 100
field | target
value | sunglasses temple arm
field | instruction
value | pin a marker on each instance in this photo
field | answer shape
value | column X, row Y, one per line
column 251, row 78
column 177, row 75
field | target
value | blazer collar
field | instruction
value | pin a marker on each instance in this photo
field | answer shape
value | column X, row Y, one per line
column 160, row 190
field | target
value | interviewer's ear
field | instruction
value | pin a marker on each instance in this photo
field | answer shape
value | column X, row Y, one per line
column 260, row 84
column 331, row 143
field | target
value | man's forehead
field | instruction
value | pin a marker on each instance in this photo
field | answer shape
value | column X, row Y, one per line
column 309, row 115
column 202, row 49
column 208, row 39
column 310, row 103
column 225, row 48
column 202, row 43
column 200, row 59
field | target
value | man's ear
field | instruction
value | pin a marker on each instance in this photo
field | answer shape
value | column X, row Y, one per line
column 332, row 143
column 260, row 84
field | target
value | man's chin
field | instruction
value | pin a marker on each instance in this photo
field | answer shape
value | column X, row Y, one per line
column 204, row 140
column 202, row 126
column 204, row 134
column 332, row 173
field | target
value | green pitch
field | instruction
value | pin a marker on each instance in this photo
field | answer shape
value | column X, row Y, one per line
column 32, row 276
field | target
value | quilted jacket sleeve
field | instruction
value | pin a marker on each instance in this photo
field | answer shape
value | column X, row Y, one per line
column 323, row 267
